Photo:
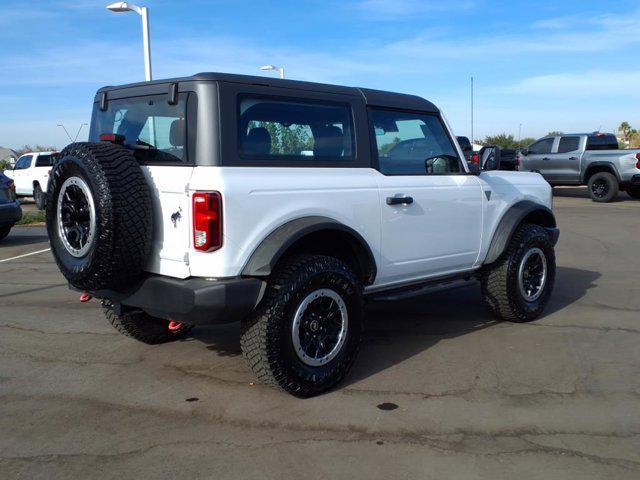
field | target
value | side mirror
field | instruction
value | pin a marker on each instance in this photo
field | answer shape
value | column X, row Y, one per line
column 524, row 151
column 489, row 158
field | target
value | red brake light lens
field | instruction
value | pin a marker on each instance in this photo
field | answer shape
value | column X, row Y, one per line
column 207, row 221
column 113, row 138
column 638, row 162
column 474, row 159
column 12, row 186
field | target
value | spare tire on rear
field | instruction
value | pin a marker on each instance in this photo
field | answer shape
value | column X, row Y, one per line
column 99, row 216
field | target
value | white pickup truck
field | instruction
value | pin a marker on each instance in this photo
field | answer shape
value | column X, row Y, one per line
column 285, row 205
column 31, row 175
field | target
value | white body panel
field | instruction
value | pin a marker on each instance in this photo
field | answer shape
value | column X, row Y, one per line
column 447, row 229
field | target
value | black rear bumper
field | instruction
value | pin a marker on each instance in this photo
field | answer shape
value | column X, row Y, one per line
column 195, row 301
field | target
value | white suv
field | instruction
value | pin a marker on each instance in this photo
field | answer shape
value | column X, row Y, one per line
column 286, row 205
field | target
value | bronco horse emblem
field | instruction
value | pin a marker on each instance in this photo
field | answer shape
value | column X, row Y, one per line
column 175, row 217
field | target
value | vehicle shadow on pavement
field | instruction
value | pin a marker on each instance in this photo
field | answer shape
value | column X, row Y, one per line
column 397, row 331
column 570, row 286
column 22, row 240
column 583, row 192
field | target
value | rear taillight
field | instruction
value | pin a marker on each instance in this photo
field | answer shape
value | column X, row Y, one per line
column 474, row 159
column 638, row 162
column 207, row 221
column 12, row 186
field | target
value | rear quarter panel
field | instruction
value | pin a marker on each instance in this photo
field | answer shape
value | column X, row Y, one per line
column 624, row 161
column 257, row 200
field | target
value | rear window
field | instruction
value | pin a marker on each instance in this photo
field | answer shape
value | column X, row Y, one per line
column 568, row 144
column 602, row 142
column 296, row 130
column 46, row 160
column 156, row 130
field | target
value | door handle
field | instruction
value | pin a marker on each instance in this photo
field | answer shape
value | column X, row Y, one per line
column 546, row 159
column 403, row 200
column 573, row 158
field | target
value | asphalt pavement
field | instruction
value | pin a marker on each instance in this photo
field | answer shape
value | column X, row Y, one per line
column 440, row 390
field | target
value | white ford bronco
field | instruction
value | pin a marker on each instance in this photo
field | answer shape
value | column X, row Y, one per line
column 286, row 205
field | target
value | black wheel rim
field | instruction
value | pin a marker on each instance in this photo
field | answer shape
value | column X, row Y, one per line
column 76, row 216
column 532, row 274
column 319, row 327
column 600, row 188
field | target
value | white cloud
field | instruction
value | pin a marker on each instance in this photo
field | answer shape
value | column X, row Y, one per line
column 597, row 83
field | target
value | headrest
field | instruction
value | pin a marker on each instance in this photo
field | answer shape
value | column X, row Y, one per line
column 328, row 142
column 176, row 133
column 257, row 142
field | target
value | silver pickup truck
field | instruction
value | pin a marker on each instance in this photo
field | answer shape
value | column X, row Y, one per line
column 592, row 159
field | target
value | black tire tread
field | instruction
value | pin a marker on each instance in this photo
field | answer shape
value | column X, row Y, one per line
column 125, row 222
column 259, row 330
column 143, row 327
column 614, row 187
column 496, row 279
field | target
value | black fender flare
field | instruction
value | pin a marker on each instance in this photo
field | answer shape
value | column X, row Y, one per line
column 610, row 165
column 510, row 221
column 264, row 258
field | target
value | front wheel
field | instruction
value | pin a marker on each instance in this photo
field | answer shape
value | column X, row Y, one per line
column 39, row 197
column 603, row 187
column 305, row 334
column 517, row 287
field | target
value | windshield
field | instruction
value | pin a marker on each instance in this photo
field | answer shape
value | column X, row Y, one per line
column 156, row 130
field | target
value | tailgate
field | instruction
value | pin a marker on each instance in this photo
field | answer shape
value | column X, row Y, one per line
column 171, row 219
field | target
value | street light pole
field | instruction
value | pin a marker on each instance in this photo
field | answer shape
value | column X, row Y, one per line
column 280, row 70
column 123, row 7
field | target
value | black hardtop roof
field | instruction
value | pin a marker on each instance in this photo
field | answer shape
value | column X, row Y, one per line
column 371, row 97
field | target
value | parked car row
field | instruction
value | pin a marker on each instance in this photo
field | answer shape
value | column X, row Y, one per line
column 10, row 211
column 31, row 175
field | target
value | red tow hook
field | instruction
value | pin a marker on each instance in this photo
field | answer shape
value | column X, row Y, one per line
column 175, row 326
column 85, row 297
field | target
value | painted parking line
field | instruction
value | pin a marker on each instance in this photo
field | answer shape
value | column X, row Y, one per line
column 25, row 255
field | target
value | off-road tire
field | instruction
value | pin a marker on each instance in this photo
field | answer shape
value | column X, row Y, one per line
column 499, row 281
column 633, row 192
column 612, row 187
column 4, row 231
column 39, row 197
column 143, row 327
column 122, row 241
column 266, row 337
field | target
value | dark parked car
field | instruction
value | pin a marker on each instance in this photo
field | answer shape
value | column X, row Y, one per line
column 10, row 211
column 469, row 155
column 506, row 158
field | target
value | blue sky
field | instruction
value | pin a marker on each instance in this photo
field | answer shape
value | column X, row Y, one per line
column 546, row 64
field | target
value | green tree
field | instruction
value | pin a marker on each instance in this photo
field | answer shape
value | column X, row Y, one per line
column 628, row 132
column 386, row 148
column 504, row 140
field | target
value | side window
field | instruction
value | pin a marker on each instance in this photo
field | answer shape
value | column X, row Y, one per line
column 542, row 146
column 568, row 144
column 46, row 160
column 274, row 129
column 23, row 162
column 413, row 144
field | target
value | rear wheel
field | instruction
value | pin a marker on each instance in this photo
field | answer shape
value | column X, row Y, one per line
column 634, row 192
column 305, row 334
column 39, row 197
column 4, row 231
column 517, row 287
column 144, row 327
column 603, row 187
